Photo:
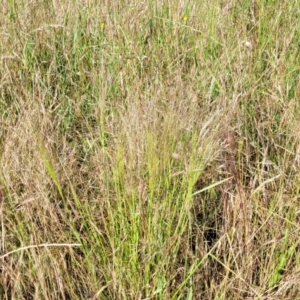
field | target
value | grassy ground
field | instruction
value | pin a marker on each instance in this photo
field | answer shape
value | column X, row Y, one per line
column 150, row 150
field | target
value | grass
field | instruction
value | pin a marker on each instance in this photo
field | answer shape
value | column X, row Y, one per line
column 149, row 150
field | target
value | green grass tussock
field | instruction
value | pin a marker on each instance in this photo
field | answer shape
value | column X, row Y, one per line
column 149, row 150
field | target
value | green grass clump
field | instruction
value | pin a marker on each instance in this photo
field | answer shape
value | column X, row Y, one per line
column 149, row 150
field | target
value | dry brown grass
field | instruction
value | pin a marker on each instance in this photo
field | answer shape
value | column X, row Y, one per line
column 149, row 150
